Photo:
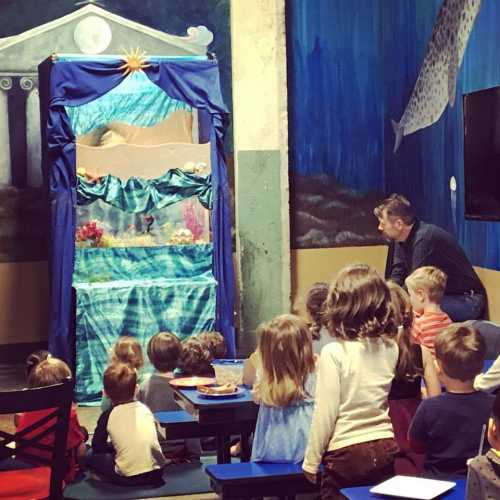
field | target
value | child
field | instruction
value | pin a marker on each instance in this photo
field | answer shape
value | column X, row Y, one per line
column 426, row 287
column 49, row 372
column 33, row 359
column 316, row 298
column 351, row 431
column 484, row 471
column 447, row 428
column 285, row 386
column 156, row 393
column 195, row 359
column 125, row 350
column 215, row 343
column 134, row 456
column 414, row 363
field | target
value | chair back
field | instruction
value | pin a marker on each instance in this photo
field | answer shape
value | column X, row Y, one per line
column 28, row 442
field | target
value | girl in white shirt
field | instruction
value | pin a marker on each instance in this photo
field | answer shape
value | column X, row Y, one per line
column 351, row 433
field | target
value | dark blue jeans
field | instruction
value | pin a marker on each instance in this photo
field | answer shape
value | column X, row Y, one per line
column 463, row 307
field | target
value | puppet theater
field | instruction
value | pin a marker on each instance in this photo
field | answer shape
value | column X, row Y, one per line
column 140, row 236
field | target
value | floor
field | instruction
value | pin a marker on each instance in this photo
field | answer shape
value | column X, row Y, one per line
column 12, row 378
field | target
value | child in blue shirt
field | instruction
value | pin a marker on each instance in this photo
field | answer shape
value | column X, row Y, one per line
column 447, row 428
column 285, row 385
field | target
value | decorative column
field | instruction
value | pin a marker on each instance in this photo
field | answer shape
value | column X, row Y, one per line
column 33, row 133
column 258, row 46
column 5, row 164
column 17, row 130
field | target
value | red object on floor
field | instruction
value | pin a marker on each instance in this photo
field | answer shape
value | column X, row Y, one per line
column 25, row 484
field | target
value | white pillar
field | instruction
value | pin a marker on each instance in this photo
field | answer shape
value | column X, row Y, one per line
column 33, row 133
column 258, row 48
column 5, row 165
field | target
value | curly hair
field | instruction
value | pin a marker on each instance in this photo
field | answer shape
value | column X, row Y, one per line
column 215, row 343
column 195, row 359
column 359, row 305
column 315, row 304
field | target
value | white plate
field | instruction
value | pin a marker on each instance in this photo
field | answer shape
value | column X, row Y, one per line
column 234, row 394
column 412, row 487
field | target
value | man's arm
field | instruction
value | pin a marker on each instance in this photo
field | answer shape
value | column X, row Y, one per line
column 395, row 267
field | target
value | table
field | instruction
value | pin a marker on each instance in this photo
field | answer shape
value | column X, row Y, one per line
column 363, row 492
column 487, row 364
column 222, row 418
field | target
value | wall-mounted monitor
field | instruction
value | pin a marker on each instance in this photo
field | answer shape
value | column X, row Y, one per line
column 482, row 154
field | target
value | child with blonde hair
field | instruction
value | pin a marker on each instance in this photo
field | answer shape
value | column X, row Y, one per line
column 127, row 350
column 351, row 431
column 284, row 388
column 415, row 363
column 47, row 372
column 426, row 286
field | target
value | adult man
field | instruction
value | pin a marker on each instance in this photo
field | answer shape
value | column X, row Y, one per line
column 415, row 243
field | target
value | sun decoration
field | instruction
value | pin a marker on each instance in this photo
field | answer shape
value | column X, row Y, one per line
column 135, row 60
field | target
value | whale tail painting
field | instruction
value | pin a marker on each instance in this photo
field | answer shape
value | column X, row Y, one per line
column 437, row 81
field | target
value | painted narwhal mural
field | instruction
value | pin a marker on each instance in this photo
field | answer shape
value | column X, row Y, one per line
column 437, row 80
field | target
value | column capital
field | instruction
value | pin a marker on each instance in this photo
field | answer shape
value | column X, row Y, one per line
column 5, row 83
column 28, row 83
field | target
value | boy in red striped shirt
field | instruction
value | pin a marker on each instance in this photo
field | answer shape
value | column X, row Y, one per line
column 426, row 287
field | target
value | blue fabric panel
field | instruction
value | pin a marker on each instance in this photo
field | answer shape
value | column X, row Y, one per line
column 139, row 308
column 135, row 101
column 136, row 195
column 73, row 83
column 167, row 262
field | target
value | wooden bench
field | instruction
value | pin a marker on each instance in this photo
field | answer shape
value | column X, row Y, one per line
column 251, row 479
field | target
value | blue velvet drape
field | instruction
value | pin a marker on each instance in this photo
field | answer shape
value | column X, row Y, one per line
column 76, row 82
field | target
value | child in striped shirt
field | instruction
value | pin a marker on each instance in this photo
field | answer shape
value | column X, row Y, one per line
column 426, row 287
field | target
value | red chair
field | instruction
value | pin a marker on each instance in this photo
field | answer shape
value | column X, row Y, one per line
column 45, row 478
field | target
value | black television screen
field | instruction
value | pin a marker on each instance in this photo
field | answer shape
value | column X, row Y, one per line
column 482, row 154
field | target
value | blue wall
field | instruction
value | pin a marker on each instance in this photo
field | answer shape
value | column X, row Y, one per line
column 427, row 158
column 335, row 91
column 353, row 65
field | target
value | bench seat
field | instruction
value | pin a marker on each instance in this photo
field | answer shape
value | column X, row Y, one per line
column 251, row 479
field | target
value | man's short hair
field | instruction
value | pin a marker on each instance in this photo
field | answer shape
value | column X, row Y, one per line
column 396, row 206
column 461, row 351
column 429, row 278
column 120, row 381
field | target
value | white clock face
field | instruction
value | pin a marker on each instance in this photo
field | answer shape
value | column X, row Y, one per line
column 92, row 35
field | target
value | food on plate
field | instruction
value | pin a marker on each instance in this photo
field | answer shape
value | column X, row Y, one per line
column 218, row 389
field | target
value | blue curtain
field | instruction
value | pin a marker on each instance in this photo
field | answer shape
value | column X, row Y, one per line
column 77, row 82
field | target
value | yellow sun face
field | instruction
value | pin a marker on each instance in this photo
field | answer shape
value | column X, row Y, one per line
column 135, row 60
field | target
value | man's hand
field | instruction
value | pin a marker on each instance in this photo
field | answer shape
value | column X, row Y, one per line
column 312, row 478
